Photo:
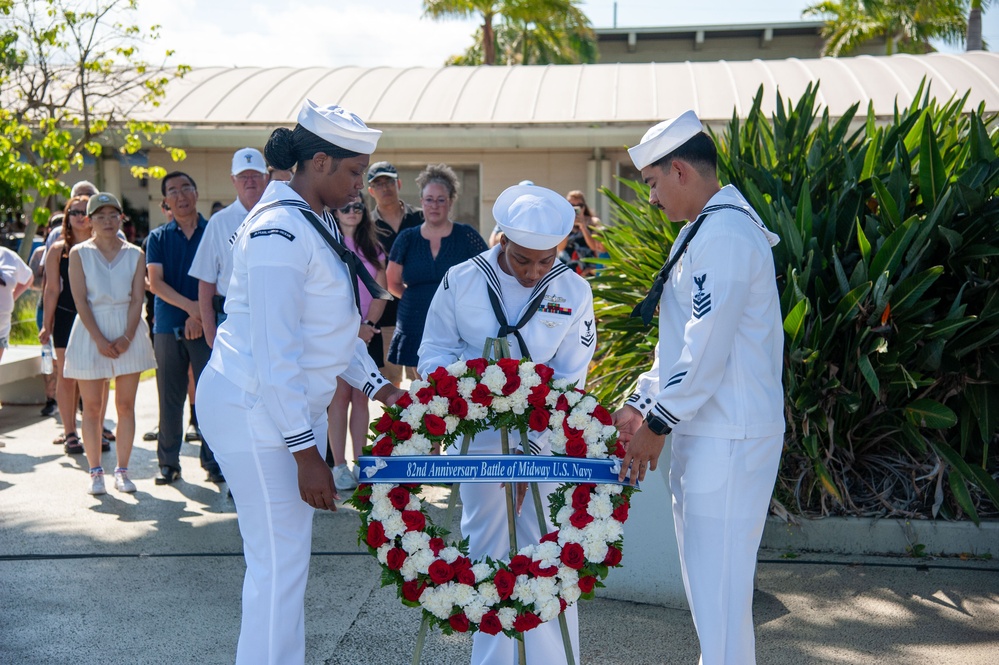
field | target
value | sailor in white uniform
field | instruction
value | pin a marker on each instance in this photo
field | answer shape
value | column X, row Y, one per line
column 547, row 314
column 716, row 383
column 291, row 330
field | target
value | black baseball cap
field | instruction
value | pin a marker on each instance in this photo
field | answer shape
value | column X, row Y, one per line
column 379, row 169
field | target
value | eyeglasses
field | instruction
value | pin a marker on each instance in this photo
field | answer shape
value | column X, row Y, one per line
column 249, row 177
column 352, row 207
column 186, row 189
column 76, row 213
column 577, row 208
column 439, row 201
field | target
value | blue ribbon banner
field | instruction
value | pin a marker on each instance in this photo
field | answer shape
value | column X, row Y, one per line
column 446, row 469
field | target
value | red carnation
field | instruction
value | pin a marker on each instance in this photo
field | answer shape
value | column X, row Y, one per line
column 477, row 365
column 619, row 449
column 562, row 605
column 383, row 447
column 580, row 496
column 400, row 497
column 458, row 407
column 412, row 590
column 482, row 395
column 621, row 512
column 436, row 545
column 490, row 623
column 526, row 621
column 575, row 447
column 573, row 555
column 511, row 385
column 538, row 571
column 384, row 424
column 601, row 414
column 402, row 431
column 545, row 372
column 414, row 520
column 520, row 564
column 376, row 534
column 550, row 537
column 435, row 425
column 562, row 404
column 404, row 401
column 504, row 581
column 579, row 519
column 438, row 374
column 447, row 386
column 363, row 493
column 395, row 558
column 440, row 572
column 586, row 583
column 613, row 557
column 459, row 622
column 509, row 366
column 538, row 396
column 538, row 420
column 425, row 394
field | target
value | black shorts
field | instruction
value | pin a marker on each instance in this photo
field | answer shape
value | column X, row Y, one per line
column 62, row 327
column 376, row 351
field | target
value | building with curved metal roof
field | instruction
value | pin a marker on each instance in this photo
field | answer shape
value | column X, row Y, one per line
column 563, row 126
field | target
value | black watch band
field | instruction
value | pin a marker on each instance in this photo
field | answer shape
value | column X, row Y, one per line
column 658, row 426
column 369, row 323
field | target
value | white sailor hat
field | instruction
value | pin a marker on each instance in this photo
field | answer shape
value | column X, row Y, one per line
column 533, row 217
column 338, row 126
column 664, row 138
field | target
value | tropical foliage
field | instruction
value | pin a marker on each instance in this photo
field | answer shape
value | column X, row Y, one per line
column 521, row 32
column 71, row 81
column 888, row 266
column 907, row 26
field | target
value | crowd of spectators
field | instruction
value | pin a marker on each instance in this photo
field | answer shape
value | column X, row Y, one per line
column 94, row 282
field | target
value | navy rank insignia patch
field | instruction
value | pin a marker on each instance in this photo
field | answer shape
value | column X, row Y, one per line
column 701, row 299
column 272, row 232
column 586, row 334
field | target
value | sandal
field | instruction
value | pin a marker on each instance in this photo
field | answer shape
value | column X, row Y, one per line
column 59, row 440
column 105, row 444
column 107, row 434
column 73, row 445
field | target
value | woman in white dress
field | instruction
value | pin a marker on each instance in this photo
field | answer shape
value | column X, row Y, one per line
column 109, row 339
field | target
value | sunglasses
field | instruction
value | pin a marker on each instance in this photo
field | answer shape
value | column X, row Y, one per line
column 352, row 207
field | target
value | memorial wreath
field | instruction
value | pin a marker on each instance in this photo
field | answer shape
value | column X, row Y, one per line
column 541, row 579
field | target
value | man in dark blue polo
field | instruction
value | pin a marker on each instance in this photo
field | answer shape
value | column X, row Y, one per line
column 178, row 337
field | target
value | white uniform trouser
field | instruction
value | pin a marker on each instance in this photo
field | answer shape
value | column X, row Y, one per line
column 721, row 493
column 275, row 523
column 484, row 523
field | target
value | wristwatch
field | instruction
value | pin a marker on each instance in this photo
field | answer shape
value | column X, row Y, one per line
column 658, row 426
column 369, row 323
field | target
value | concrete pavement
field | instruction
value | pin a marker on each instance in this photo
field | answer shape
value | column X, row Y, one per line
column 155, row 577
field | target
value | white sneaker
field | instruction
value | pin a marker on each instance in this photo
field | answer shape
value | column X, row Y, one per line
column 342, row 478
column 355, row 471
column 97, row 483
column 122, row 482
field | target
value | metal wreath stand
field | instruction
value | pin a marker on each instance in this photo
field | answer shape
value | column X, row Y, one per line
column 500, row 348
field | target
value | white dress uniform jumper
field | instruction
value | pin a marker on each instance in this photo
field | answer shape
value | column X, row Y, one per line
column 717, row 382
column 561, row 334
column 291, row 331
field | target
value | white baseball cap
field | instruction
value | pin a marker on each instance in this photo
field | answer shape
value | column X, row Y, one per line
column 664, row 138
column 248, row 159
column 338, row 126
column 533, row 216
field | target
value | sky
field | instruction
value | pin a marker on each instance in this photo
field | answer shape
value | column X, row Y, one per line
column 333, row 33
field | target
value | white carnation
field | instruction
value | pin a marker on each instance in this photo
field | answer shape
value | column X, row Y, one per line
column 506, row 617
column 600, row 506
column 488, row 592
column 595, row 551
column 383, row 553
column 526, row 369
column 476, row 412
column 563, row 515
column 578, row 420
column 588, row 403
column 502, row 404
column 414, row 541
column 571, row 594
column 416, row 386
column 466, row 386
column 380, row 491
column 463, row 594
column 452, row 423
column 550, row 610
column 494, row 379
column 482, row 571
column 573, row 397
column 438, row 406
column 449, row 554
column 561, row 384
column 474, row 610
column 394, row 526
column 457, row 368
column 545, row 587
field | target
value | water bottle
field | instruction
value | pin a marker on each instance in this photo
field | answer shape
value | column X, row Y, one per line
column 47, row 367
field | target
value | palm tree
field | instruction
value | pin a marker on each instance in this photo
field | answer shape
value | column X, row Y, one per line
column 906, row 25
column 521, row 31
column 974, row 42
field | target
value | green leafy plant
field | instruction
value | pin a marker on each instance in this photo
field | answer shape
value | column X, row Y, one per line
column 887, row 268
